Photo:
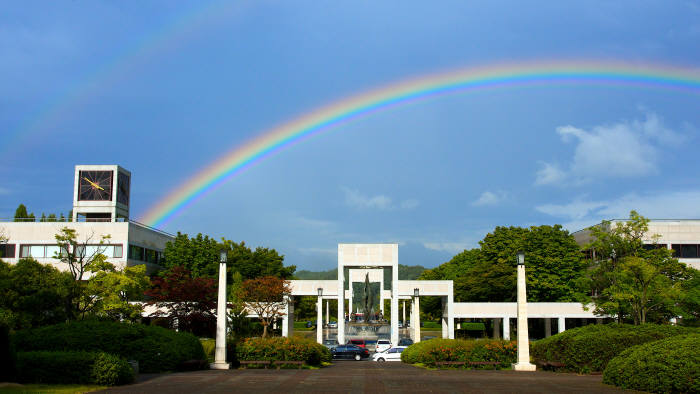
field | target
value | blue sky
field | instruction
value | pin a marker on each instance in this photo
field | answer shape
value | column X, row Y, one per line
column 164, row 88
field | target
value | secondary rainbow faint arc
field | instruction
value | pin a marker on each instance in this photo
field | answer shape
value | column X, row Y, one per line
column 421, row 88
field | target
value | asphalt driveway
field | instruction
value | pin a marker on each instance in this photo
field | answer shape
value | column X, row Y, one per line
column 366, row 377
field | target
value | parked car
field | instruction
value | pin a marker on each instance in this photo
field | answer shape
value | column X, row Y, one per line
column 333, row 324
column 330, row 343
column 358, row 342
column 405, row 342
column 382, row 345
column 400, row 324
column 392, row 354
column 349, row 352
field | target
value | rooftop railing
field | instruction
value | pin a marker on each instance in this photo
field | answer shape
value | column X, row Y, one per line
column 83, row 220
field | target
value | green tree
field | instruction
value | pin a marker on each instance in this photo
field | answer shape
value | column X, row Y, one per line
column 555, row 266
column 33, row 294
column 111, row 289
column 632, row 281
column 21, row 214
column 199, row 255
column 256, row 264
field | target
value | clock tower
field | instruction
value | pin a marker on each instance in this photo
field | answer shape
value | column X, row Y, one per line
column 101, row 193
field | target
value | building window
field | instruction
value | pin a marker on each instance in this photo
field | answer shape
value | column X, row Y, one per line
column 35, row 251
column 118, row 252
column 151, row 256
column 136, row 252
column 7, row 250
column 655, row 246
column 685, row 251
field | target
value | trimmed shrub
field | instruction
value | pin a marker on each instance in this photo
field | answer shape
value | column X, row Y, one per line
column 283, row 349
column 208, row 346
column 157, row 349
column 590, row 348
column 664, row 366
column 434, row 350
column 73, row 368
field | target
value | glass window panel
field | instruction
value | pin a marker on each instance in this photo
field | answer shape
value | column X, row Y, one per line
column 117, row 251
column 52, row 250
column 37, row 251
column 689, row 251
column 7, row 250
column 24, row 251
column 676, row 250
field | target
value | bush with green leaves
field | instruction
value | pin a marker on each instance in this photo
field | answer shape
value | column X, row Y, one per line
column 283, row 349
column 590, row 348
column 8, row 357
column 208, row 345
column 157, row 349
column 667, row 365
column 73, row 368
column 434, row 350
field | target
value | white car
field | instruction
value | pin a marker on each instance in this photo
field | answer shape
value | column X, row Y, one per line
column 382, row 345
column 392, row 354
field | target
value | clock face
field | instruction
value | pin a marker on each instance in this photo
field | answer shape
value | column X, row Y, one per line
column 123, row 181
column 95, row 186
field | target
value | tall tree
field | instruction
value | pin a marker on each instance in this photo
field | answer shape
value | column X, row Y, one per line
column 21, row 214
column 632, row 281
column 555, row 266
column 199, row 255
column 258, row 263
column 265, row 297
column 188, row 302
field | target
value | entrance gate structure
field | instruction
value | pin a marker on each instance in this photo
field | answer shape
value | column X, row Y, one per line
column 354, row 262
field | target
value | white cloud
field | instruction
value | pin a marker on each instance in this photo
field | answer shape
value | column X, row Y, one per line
column 621, row 150
column 489, row 198
column 4, row 191
column 358, row 200
column 452, row 247
column 659, row 205
column 549, row 174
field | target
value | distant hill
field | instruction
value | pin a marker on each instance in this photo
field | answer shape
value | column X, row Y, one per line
column 406, row 272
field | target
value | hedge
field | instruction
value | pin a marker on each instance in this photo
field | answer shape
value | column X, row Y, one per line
column 283, row 349
column 664, row 366
column 434, row 350
column 73, row 368
column 590, row 348
column 157, row 349
column 8, row 356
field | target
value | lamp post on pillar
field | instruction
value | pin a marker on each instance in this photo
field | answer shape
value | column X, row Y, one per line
column 220, row 352
column 415, row 316
column 319, row 316
column 523, row 341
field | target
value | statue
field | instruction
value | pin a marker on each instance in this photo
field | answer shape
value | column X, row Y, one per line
column 367, row 299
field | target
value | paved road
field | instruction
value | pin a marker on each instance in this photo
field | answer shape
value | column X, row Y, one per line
column 367, row 377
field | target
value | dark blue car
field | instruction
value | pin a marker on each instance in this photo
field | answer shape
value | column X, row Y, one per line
column 349, row 352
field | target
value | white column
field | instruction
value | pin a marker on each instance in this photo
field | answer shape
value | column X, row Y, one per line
column 506, row 328
column 220, row 352
column 404, row 313
column 523, row 340
column 328, row 312
column 562, row 324
column 341, row 305
column 319, row 320
column 285, row 318
column 290, row 316
column 394, row 304
column 445, row 329
column 415, row 319
column 450, row 315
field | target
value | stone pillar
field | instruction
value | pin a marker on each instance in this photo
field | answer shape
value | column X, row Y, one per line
column 547, row 327
column 496, row 328
column 341, row 305
column 450, row 315
column 394, row 304
column 523, row 340
column 328, row 312
column 562, row 324
column 506, row 328
column 319, row 320
column 415, row 319
column 220, row 352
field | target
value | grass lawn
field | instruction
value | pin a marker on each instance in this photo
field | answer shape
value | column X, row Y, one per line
column 48, row 388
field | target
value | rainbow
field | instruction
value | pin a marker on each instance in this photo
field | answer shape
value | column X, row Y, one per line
column 409, row 91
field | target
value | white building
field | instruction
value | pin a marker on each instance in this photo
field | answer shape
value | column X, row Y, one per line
column 681, row 235
column 101, row 199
